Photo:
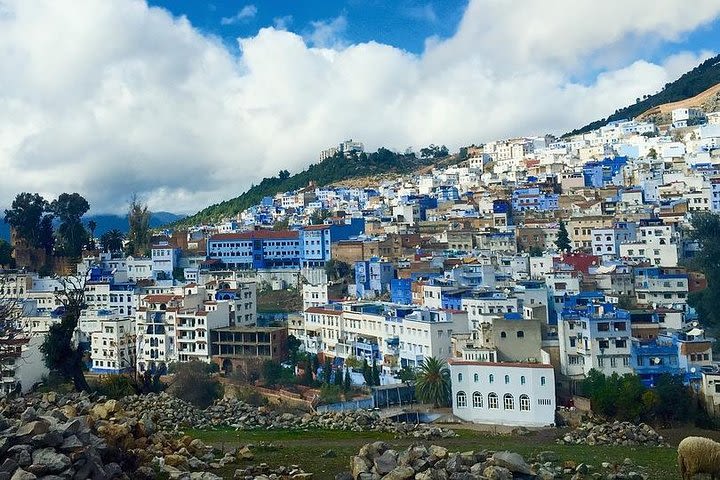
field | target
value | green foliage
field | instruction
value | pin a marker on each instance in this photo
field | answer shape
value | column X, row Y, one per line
column 338, row 270
column 29, row 216
column 327, row 370
column 433, row 382
column 706, row 231
column 625, row 397
column 6, row 250
column 339, row 377
column 251, row 396
column 563, row 240
column 115, row 386
column 319, row 216
column 347, row 382
column 112, row 240
column 293, row 347
column 375, row 373
column 275, row 374
column 331, row 170
column 353, row 362
column 535, row 251
column 690, row 84
column 139, row 231
column 330, row 394
column 193, row 384
column 407, row 374
column 434, row 151
column 72, row 236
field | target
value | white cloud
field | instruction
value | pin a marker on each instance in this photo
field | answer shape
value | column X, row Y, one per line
column 327, row 34
column 110, row 97
column 422, row 12
column 244, row 14
column 283, row 23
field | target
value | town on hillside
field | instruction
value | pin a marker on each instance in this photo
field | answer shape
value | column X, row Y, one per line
column 521, row 282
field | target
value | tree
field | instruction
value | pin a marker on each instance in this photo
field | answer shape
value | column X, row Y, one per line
column 563, row 239
column 139, row 228
column 337, row 269
column 112, row 240
column 293, row 347
column 6, row 250
column 92, row 226
column 535, row 251
column 652, row 153
column 706, row 231
column 375, row 373
column 69, row 209
column 433, row 382
column 327, row 370
column 367, row 373
column 193, row 384
column 347, row 382
column 58, row 348
column 26, row 215
column 339, row 377
column 406, row 374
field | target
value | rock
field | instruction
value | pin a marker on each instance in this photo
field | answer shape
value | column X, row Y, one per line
column 437, row 452
column 547, row 456
column 493, row 472
column 513, row 462
column 400, row 473
column 358, row 465
column 30, row 429
column 21, row 474
column 245, row 454
column 386, row 462
column 47, row 460
column 328, row 454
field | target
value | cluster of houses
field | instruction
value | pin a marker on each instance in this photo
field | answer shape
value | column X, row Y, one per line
column 460, row 263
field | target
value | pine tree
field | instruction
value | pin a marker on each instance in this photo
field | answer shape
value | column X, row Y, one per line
column 563, row 239
column 347, row 382
column 375, row 373
column 367, row 373
column 338, row 377
column 327, row 370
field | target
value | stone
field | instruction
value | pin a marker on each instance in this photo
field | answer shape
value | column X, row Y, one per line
column 244, row 453
column 400, row 473
column 494, row 472
column 46, row 459
column 21, row 474
column 437, row 452
column 359, row 464
column 513, row 462
column 328, row 454
column 30, row 429
column 547, row 456
column 386, row 462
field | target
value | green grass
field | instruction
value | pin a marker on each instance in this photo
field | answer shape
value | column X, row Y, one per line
column 304, row 448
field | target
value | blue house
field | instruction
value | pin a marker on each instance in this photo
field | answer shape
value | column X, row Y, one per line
column 401, row 291
column 372, row 277
column 652, row 359
column 447, row 194
column 600, row 173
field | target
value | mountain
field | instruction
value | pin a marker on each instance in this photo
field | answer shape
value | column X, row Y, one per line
column 692, row 83
column 330, row 170
column 109, row 222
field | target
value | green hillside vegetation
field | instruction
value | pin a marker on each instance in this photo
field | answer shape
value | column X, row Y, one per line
column 333, row 169
column 690, row 84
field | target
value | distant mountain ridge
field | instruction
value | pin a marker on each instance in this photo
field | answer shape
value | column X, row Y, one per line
column 690, row 84
column 110, row 222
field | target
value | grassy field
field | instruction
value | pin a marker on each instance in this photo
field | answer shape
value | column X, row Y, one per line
column 305, row 448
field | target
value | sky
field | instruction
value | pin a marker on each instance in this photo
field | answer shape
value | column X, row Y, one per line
column 187, row 103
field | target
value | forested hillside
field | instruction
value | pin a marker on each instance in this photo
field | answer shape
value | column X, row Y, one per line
column 323, row 173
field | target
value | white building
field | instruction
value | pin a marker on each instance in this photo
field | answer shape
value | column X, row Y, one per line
column 520, row 394
column 113, row 345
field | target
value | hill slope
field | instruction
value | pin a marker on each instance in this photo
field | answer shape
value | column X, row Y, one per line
column 702, row 100
column 692, row 83
column 331, row 170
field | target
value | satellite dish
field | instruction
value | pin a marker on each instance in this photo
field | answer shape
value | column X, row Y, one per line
column 656, row 360
column 693, row 370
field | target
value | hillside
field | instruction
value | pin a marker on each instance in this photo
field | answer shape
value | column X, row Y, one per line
column 692, row 83
column 707, row 100
column 331, row 170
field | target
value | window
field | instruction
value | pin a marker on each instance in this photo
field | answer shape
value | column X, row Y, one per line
column 524, row 403
column 491, row 378
column 507, row 379
column 508, row 402
column 476, row 378
column 493, row 400
column 542, row 380
column 459, row 377
column 461, row 399
column 522, row 379
column 520, row 334
column 503, row 335
column 477, row 400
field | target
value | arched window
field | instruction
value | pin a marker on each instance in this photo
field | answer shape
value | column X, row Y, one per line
column 524, row 403
column 508, row 402
column 459, row 377
column 507, row 379
column 542, row 380
column 491, row 378
column 522, row 379
column 477, row 400
column 520, row 334
column 493, row 400
column 503, row 335
column 461, row 399
column 476, row 378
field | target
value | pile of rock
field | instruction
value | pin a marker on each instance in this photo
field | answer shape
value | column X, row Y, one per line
column 378, row 461
column 615, row 433
column 265, row 472
column 169, row 413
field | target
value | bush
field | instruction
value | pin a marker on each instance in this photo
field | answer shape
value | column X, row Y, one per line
column 115, row 386
column 330, row 394
column 193, row 384
column 251, row 397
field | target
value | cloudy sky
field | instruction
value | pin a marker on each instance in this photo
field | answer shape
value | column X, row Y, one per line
column 187, row 103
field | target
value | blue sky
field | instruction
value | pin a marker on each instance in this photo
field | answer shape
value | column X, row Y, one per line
column 403, row 23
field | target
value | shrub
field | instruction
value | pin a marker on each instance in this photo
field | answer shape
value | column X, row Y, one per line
column 330, row 394
column 193, row 384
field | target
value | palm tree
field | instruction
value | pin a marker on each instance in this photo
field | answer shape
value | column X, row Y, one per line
column 433, row 382
column 112, row 240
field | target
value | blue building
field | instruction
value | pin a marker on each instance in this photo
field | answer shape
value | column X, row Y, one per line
column 447, row 194
column 372, row 277
column 654, row 358
column 316, row 240
column 532, row 198
column 401, row 291
column 600, row 173
column 258, row 249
